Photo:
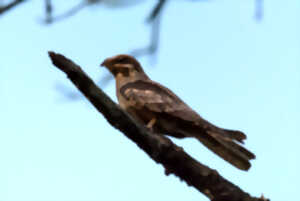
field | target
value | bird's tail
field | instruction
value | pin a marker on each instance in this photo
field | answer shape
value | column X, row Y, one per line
column 223, row 143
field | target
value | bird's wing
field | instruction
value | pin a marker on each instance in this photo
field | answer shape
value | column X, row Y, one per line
column 157, row 98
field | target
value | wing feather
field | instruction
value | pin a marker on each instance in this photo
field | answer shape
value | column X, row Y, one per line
column 157, row 98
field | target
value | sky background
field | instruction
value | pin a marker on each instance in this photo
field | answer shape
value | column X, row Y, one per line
column 234, row 71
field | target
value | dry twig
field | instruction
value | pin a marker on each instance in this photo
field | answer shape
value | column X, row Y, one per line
column 9, row 6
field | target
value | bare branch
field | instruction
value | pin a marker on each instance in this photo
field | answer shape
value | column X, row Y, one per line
column 49, row 10
column 9, row 6
column 74, row 10
column 152, row 48
column 158, row 147
column 157, row 10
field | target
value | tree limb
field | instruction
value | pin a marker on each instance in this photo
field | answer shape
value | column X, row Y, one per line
column 161, row 149
column 9, row 6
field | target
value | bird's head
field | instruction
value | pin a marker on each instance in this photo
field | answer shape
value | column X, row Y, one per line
column 123, row 65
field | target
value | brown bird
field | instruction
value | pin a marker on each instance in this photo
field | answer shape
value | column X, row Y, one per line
column 163, row 112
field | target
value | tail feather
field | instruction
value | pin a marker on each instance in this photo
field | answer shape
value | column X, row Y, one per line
column 225, row 143
column 227, row 149
column 236, row 135
column 243, row 150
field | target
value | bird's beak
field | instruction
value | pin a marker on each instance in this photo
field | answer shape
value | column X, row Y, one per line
column 108, row 63
column 104, row 63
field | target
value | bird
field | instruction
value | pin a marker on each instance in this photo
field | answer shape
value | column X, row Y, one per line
column 163, row 112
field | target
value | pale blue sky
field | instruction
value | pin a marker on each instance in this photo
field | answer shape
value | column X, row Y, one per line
column 235, row 72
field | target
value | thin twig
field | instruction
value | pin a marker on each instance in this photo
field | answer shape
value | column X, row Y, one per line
column 48, row 10
column 259, row 10
column 156, row 10
column 152, row 48
column 155, row 20
column 9, row 6
column 74, row 10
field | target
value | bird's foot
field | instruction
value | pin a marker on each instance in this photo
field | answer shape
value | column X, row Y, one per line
column 151, row 124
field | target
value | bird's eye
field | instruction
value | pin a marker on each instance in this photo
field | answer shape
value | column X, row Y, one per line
column 122, row 60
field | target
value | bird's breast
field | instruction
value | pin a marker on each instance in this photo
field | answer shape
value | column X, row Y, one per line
column 122, row 101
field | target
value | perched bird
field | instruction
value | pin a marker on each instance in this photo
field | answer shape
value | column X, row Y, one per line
column 158, row 108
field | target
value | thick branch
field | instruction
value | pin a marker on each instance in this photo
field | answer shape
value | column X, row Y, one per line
column 159, row 148
column 9, row 6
